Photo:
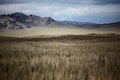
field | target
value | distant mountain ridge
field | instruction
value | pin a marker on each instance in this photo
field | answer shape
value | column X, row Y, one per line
column 20, row 20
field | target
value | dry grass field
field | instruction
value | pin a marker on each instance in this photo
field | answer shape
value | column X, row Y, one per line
column 72, row 57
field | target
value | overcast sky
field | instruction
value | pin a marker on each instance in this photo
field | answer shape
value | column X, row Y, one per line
column 98, row 11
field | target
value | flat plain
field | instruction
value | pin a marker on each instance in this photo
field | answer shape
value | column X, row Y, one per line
column 69, row 57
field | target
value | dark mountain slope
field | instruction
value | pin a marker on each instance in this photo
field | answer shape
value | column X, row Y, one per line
column 20, row 21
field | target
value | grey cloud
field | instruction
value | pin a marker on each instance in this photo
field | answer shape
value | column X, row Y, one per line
column 63, row 1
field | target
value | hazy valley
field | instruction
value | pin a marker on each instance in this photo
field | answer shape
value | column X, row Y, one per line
column 22, row 25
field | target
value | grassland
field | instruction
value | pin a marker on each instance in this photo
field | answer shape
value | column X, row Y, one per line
column 72, row 57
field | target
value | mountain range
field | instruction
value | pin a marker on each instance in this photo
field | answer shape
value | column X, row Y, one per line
column 20, row 20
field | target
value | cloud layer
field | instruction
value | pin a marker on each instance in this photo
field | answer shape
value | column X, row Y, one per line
column 63, row 1
column 74, row 10
column 62, row 12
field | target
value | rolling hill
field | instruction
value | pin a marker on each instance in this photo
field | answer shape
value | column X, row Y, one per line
column 22, row 25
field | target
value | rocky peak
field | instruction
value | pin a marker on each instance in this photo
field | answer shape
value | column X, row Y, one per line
column 48, row 20
column 19, row 16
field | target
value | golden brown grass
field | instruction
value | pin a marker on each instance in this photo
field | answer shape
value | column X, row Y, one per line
column 88, row 57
